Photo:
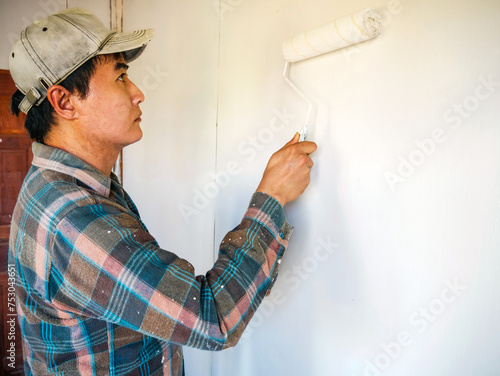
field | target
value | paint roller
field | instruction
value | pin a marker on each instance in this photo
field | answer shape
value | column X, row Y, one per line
column 346, row 31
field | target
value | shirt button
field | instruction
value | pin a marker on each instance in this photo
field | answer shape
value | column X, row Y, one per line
column 282, row 236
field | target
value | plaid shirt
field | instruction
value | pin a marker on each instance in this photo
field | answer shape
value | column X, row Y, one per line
column 96, row 294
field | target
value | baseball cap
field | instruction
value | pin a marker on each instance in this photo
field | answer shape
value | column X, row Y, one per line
column 52, row 48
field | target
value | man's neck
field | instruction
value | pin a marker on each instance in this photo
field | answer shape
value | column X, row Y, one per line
column 101, row 157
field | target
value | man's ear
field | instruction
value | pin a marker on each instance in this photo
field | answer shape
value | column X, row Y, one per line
column 62, row 101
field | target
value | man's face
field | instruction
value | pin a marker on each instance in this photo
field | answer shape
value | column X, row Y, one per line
column 110, row 113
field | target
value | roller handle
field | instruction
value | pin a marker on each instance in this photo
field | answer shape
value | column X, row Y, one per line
column 303, row 133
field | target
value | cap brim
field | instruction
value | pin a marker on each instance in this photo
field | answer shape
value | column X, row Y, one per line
column 132, row 44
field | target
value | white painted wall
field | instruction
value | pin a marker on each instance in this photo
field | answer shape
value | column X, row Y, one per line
column 393, row 249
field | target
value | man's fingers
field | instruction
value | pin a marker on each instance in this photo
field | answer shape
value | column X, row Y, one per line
column 307, row 147
column 288, row 171
column 309, row 162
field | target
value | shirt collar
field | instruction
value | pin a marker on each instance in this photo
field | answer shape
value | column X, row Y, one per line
column 51, row 158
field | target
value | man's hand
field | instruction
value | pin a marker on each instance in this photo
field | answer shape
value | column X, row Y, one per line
column 288, row 171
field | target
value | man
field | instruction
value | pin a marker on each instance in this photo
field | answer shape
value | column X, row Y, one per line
column 96, row 294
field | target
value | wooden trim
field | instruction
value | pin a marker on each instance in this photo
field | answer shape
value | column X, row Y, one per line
column 116, row 15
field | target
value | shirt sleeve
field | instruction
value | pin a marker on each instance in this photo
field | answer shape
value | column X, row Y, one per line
column 105, row 265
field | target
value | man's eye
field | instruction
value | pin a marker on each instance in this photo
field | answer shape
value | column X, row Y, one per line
column 122, row 77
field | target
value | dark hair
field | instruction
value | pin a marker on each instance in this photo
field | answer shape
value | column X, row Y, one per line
column 41, row 118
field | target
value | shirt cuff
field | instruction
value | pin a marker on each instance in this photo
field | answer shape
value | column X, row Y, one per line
column 268, row 211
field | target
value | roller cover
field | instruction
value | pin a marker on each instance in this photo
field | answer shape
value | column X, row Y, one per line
column 345, row 31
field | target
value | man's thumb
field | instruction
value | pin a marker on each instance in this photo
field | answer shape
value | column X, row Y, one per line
column 294, row 140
